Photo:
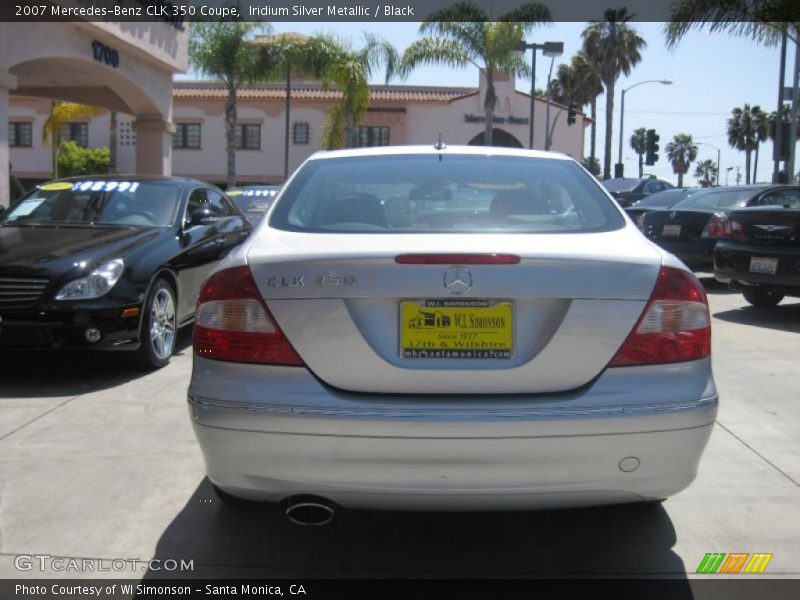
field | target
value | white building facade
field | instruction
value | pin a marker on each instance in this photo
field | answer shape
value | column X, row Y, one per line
column 398, row 114
column 122, row 67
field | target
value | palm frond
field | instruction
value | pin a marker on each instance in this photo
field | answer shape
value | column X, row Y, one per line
column 764, row 21
column 63, row 113
column 528, row 16
column 434, row 50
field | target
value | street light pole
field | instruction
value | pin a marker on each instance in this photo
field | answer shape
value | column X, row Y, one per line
column 547, row 140
column 622, row 114
column 548, row 49
column 533, row 95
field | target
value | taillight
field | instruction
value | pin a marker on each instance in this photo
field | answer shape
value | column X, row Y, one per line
column 732, row 230
column 232, row 323
column 675, row 325
column 715, row 226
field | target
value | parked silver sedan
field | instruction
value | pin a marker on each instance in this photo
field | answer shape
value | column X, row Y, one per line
column 450, row 328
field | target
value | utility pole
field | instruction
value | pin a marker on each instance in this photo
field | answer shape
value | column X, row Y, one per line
column 778, row 142
column 790, row 174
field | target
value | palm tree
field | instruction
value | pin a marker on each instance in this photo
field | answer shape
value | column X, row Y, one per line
column 681, row 152
column 707, row 171
column 223, row 50
column 761, row 122
column 765, row 22
column 591, row 164
column 772, row 122
column 743, row 133
column 338, row 64
column 577, row 82
column 62, row 113
column 639, row 145
column 588, row 87
column 462, row 35
column 613, row 47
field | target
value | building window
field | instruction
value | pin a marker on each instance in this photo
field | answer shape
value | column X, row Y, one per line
column 301, row 133
column 248, row 137
column 367, row 136
column 75, row 132
column 187, row 135
column 20, row 135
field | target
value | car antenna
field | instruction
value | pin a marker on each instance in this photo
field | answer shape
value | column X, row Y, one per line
column 440, row 145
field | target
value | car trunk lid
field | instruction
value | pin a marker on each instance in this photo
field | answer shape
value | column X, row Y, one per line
column 552, row 321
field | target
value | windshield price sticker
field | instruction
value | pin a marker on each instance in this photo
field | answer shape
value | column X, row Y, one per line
column 105, row 186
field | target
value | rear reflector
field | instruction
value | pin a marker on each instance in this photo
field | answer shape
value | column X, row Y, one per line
column 674, row 327
column 232, row 323
column 457, row 259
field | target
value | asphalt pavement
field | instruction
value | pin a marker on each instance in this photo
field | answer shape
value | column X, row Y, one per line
column 98, row 460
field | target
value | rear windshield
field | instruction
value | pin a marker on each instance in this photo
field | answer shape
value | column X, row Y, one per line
column 715, row 199
column 104, row 202
column 444, row 193
column 662, row 199
column 620, row 185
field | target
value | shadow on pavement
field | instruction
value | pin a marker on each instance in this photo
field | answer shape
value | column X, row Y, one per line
column 69, row 373
column 784, row 317
column 259, row 542
column 715, row 287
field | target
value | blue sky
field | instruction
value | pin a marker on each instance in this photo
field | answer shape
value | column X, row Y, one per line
column 712, row 74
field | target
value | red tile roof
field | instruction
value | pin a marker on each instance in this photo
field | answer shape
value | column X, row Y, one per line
column 310, row 91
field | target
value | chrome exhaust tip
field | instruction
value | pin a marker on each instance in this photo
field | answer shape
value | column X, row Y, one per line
column 309, row 511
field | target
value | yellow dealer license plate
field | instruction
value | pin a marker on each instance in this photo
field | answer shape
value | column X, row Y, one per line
column 456, row 329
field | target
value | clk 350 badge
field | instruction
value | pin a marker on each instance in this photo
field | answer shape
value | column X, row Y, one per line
column 319, row 281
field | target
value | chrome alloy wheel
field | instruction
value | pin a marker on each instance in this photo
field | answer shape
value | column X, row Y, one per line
column 162, row 324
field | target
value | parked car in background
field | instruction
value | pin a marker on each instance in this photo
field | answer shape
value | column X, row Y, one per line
column 254, row 200
column 408, row 329
column 657, row 201
column 110, row 263
column 690, row 229
column 627, row 191
column 759, row 250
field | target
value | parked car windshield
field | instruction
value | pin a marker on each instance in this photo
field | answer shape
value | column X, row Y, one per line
column 662, row 199
column 254, row 199
column 439, row 193
column 620, row 185
column 714, row 199
column 104, row 202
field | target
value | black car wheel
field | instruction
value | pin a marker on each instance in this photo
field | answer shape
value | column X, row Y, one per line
column 159, row 326
column 761, row 296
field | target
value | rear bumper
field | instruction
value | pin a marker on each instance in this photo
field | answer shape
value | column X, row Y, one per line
column 697, row 254
column 732, row 263
column 607, row 443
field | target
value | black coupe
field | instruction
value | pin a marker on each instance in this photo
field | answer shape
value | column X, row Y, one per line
column 111, row 263
column 690, row 229
column 760, row 251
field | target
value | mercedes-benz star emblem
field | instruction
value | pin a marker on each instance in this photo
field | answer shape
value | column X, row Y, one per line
column 673, row 214
column 457, row 279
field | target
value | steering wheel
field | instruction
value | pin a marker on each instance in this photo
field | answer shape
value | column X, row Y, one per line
column 150, row 216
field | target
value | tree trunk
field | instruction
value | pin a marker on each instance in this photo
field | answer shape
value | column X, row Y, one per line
column 593, row 133
column 641, row 165
column 488, row 108
column 755, row 164
column 230, row 134
column 680, row 179
column 747, row 166
column 112, row 143
column 609, row 129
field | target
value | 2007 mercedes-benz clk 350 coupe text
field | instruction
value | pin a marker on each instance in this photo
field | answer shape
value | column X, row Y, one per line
column 450, row 328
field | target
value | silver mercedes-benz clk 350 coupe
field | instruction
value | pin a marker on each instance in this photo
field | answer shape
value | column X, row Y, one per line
column 450, row 328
